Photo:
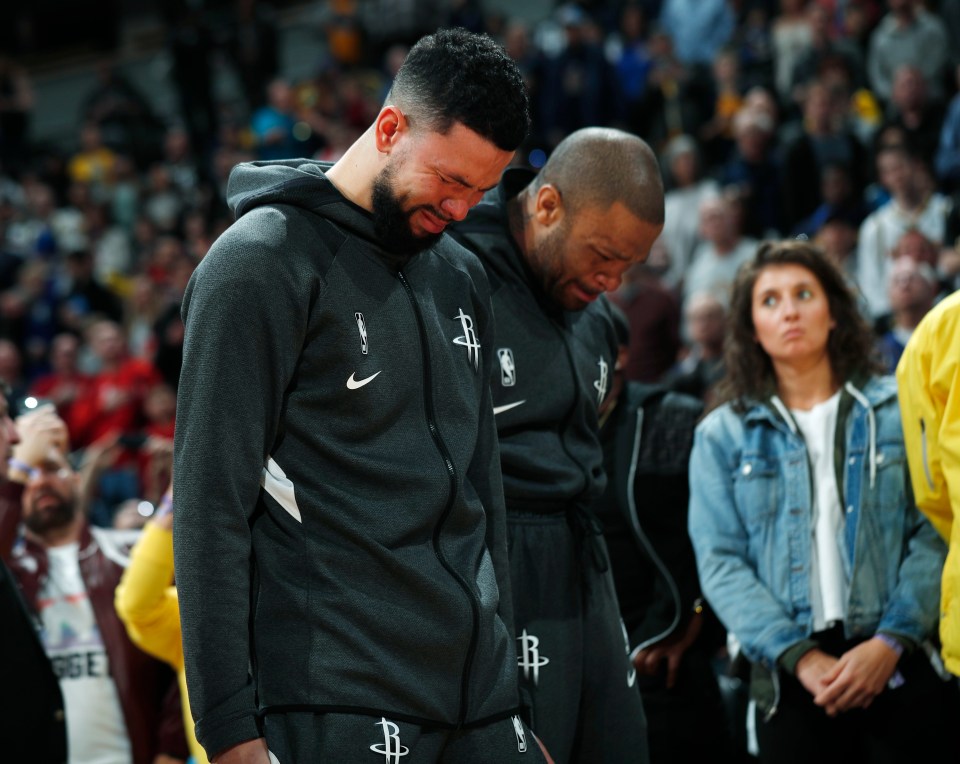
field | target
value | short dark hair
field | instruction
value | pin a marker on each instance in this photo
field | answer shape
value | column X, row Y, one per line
column 456, row 76
column 749, row 370
column 600, row 166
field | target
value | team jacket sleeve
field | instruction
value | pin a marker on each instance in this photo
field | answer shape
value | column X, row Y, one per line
column 245, row 311
column 488, row 480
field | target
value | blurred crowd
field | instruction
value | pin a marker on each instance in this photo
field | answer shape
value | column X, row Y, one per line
column 837, row 121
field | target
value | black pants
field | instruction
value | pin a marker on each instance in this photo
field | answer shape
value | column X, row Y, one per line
column 687, row 722
column 571, row 645
column 308, row 738
column 914, row 722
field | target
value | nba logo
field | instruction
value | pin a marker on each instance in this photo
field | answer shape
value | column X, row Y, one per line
column 508, row 371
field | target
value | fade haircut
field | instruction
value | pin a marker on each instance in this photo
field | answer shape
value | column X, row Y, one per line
column 600, row 166
column 456, row 76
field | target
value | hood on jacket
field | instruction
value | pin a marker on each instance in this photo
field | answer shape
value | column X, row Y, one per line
column 489, row 218
column 302, row 183
column 869, row 395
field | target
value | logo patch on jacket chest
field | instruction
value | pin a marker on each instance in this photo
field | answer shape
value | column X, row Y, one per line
column 602, row 383
column 468, row 339
column 508, row 369
column 362, row 328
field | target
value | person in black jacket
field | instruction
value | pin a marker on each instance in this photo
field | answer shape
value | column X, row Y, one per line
column 339, row 534
column 33, row 725
column 647, row 434
column 552, row 243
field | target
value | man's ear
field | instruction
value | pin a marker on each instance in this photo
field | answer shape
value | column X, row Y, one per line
column 389, row 126
column 549, row 210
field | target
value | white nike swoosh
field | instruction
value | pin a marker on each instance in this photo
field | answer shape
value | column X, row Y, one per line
column 353, row 384
column 507, row 407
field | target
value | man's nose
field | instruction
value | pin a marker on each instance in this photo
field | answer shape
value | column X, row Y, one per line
column 455, row 209
column 608, row 281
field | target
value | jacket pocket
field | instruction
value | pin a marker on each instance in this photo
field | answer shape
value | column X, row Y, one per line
column 756, row 485
column 891, row 475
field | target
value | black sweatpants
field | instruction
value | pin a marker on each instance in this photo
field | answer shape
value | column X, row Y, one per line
column 309, row 738
column 571, row 645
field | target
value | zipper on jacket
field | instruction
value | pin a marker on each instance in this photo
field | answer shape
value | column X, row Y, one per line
column 571, row 412
column 452, row 477
column 925, row 455
column 645, row 542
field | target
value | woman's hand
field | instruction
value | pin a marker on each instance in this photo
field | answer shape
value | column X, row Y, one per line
column 858, row 677
column 812, row 668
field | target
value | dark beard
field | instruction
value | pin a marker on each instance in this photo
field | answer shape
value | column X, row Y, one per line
column 549, row 253
column 391, row 222
column 51, row 518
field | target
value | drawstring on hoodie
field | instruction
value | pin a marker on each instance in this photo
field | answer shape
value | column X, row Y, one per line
column 860, row 398
column 872, row 423
column 778, row 405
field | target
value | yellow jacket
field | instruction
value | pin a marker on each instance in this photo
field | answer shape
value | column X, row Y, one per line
column 147, row 604
column 928, row 379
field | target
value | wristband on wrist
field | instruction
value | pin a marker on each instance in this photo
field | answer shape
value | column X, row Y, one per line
column 19, row 465
column 166, row 506
column 897, row 679
column 890, row 642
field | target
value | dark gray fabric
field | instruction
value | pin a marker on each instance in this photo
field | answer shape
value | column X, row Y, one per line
column 339, row 511
column 571, row 647
column 303, row 737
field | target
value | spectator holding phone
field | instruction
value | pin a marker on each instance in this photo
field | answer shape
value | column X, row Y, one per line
column 67, row 570
column 34, row 727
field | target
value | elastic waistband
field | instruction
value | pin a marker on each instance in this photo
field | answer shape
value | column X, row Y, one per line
column 426, row 724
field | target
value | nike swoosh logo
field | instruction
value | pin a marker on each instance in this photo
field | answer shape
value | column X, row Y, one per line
column 353, row 384
column 507, row 407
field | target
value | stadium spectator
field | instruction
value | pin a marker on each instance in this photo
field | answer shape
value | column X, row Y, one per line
column 723, row 250
column 65, row 384
column 907, row 34
column 687, row 188
column 912, row 205
column 67, row 570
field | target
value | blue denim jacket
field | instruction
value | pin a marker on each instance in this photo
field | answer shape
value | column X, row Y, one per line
column 750, row 522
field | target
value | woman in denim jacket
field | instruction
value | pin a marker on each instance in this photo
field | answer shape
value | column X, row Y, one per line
column 808, row 543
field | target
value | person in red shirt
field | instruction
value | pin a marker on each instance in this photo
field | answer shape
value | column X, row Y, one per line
column 114, row 401
column 111, row 415
column 65, row 384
